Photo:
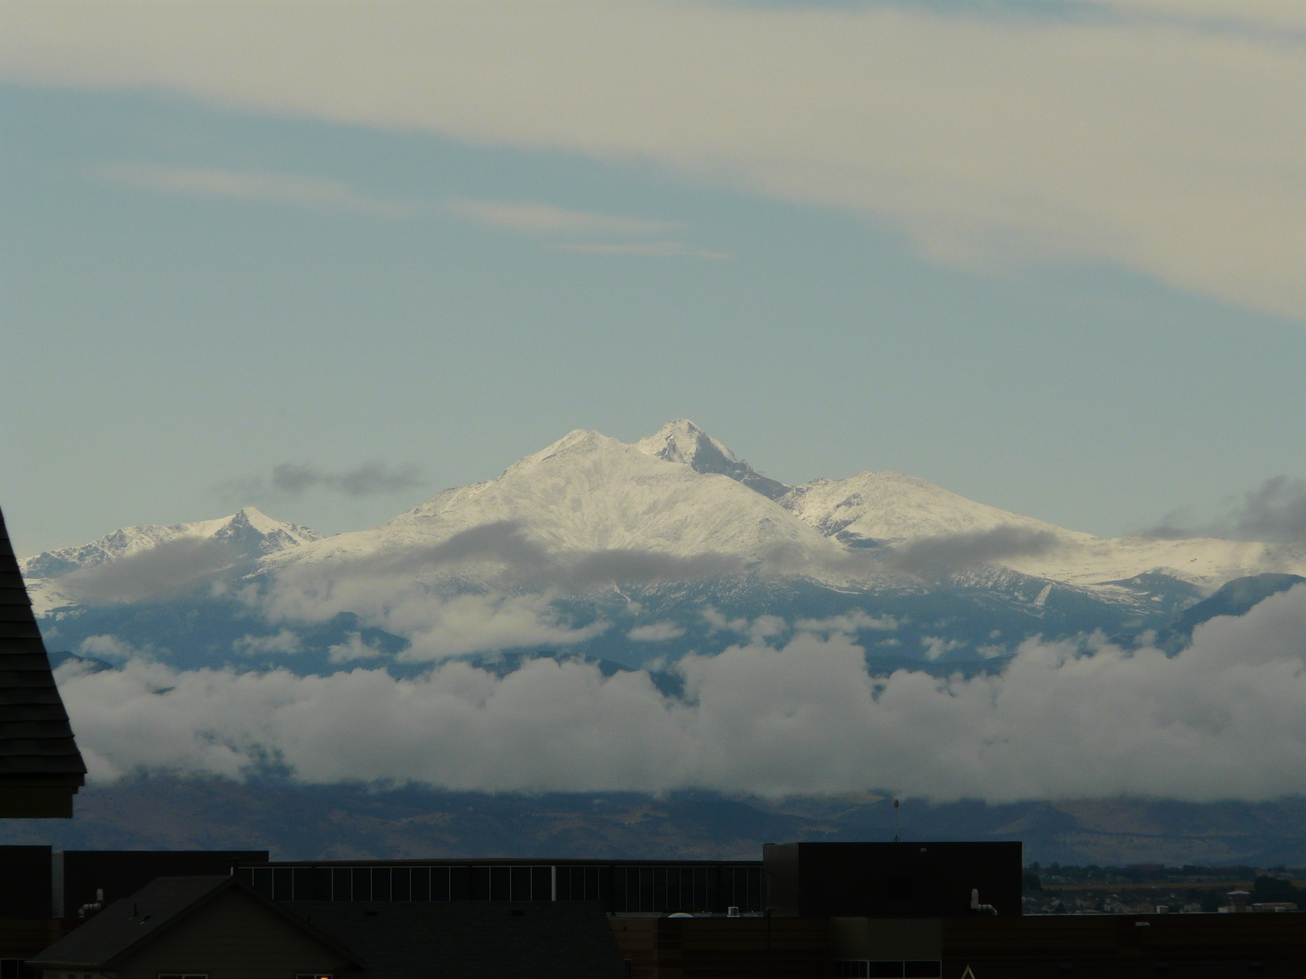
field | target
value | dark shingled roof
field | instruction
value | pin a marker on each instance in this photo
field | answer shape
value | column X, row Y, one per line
column 127, row 924
column 472, row 939
column 40, row 766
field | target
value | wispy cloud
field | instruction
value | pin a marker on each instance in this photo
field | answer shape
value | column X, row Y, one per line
column 1138, row 134
column 282, row 188
column 557, row 222
column 546, row 219
column 1274, row 512
column 290, row 479
column 668, row 249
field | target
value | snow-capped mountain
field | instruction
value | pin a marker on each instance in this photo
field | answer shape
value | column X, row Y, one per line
column 250, row 534
column 244, row 537
column 683, row 441
column 630, row 551
column 888, row 508
column 588, row 493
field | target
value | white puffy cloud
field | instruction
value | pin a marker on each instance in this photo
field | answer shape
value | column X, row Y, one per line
column 108, row 646
column 655, row 632
column 1161, row 137
column 759, row 629
column 849, row 623
column 936, row 646
column 437, row 626
column 284, row 641
column 353, row 648
column 1226, row 718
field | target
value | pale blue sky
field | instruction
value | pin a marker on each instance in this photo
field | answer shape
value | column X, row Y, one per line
column 198, row 287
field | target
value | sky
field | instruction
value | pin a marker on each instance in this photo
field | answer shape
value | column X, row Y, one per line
column 329, row 258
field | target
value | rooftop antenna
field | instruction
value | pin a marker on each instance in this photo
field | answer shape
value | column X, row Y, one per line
column 895, row 820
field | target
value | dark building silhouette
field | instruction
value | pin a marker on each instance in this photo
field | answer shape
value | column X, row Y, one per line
column 220, row 928
column 39, row 882
column 40, row 766
column 849, row 916
column 624, row 886
column 194, row 926
column 892, row 880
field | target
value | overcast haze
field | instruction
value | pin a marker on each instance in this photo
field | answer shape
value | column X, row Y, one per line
column 331, row 258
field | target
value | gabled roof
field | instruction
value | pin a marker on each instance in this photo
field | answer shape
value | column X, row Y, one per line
column 40, row 766
column 133, row 922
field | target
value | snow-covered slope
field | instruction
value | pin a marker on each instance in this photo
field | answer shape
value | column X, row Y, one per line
column 587, row 493
column 889, row 507
column 702, row 549
column 895, row 509
column 683, row 441
column 245, row 536
column 1205, row 561
column 683, row 494
column 250, row 534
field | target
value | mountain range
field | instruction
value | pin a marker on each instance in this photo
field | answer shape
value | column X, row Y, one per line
column 633, row 554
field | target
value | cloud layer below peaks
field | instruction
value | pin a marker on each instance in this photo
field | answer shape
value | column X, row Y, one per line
column 1226, row 718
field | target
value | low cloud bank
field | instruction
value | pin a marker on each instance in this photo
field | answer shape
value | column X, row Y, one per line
column 1274, row 512
column 956, row 551
column 399, row 590
column 1225, row 718
column 157, row 573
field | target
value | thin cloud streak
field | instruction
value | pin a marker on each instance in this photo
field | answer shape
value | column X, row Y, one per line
column 655, row 249
column 289, row 479
column 281, row 188
column 546, row 219
column 992, row 141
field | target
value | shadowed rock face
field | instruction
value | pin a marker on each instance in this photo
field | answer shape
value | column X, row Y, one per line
column 40, row 766
column 710, row 459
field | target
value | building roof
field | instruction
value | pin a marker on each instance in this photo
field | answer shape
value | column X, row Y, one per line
column 132, row 922
column 40, row 766
column 472, row 939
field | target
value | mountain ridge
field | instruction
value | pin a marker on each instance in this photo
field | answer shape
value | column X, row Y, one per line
column 620, row 551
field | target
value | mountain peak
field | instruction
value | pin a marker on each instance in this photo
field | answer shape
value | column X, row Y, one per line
column 251, row 533
column 580, row 441
column 684, row 442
